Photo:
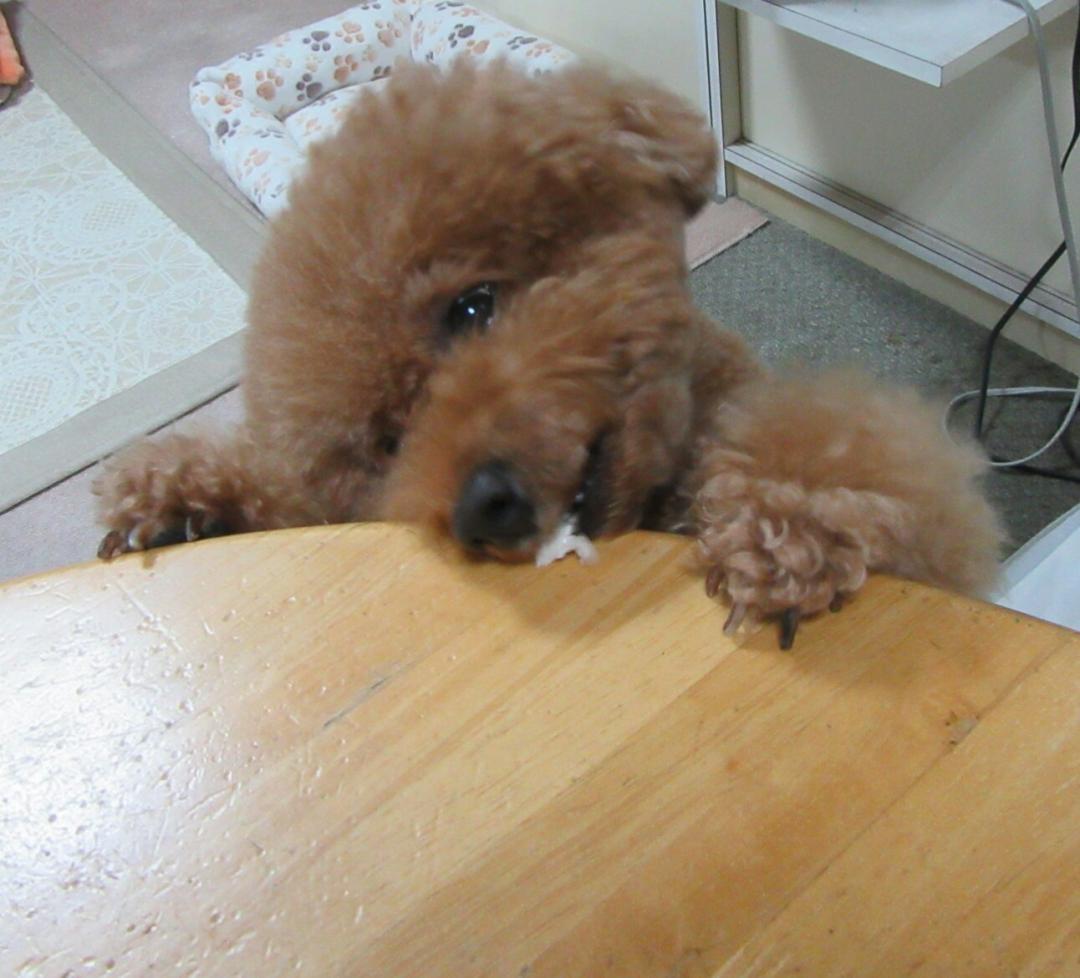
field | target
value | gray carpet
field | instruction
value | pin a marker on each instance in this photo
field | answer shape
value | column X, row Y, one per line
column 799, row 301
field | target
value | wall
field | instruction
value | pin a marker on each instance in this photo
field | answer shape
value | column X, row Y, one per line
column 661, row 41
column 968, row 160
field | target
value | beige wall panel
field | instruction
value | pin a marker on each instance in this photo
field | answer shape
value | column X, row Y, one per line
column 968, row 160
column 661, row 41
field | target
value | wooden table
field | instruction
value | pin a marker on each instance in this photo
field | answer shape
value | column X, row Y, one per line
column 339, row 751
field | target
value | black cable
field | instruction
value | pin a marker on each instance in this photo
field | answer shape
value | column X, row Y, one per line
column 1022, row 296
column 1020, row 299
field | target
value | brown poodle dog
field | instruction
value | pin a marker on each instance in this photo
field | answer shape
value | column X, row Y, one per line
column 474, row 315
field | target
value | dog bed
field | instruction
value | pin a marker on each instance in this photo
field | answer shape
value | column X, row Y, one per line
column 263, row 108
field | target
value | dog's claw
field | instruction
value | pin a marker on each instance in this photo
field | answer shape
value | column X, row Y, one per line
column 112, row 545
column 837, row 602
column 789, row 622
column 734, row 618
column 713, row 581
column 203, row 526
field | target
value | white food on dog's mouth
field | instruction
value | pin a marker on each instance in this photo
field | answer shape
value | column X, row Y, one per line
column 566, row 540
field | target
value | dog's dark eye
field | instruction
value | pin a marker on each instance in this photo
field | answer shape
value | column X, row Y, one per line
column 471, row 311
column 389, row 444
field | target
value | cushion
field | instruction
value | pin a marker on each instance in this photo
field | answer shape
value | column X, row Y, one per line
column 262, row 109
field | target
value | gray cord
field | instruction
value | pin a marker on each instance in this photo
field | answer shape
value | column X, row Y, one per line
column 1070, row 243
column 1054, row 145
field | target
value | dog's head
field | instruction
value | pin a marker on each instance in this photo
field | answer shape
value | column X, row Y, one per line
column 474, row 313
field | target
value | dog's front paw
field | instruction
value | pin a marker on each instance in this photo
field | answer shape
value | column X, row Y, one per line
column 770, row 565
column 159, row 531
column 157, row 494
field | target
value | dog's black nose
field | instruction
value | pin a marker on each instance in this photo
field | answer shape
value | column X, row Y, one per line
column 493, row 508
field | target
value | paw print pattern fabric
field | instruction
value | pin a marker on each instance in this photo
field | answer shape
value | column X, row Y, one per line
column 447, row 29
column 262, row 109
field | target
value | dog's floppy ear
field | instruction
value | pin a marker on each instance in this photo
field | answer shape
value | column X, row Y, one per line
column 663, row 133
column 659, row 135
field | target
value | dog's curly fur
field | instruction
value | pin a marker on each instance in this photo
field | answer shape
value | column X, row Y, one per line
column 567, row 197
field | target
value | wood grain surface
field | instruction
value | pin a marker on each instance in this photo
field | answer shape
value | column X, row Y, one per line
column 344, row 752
